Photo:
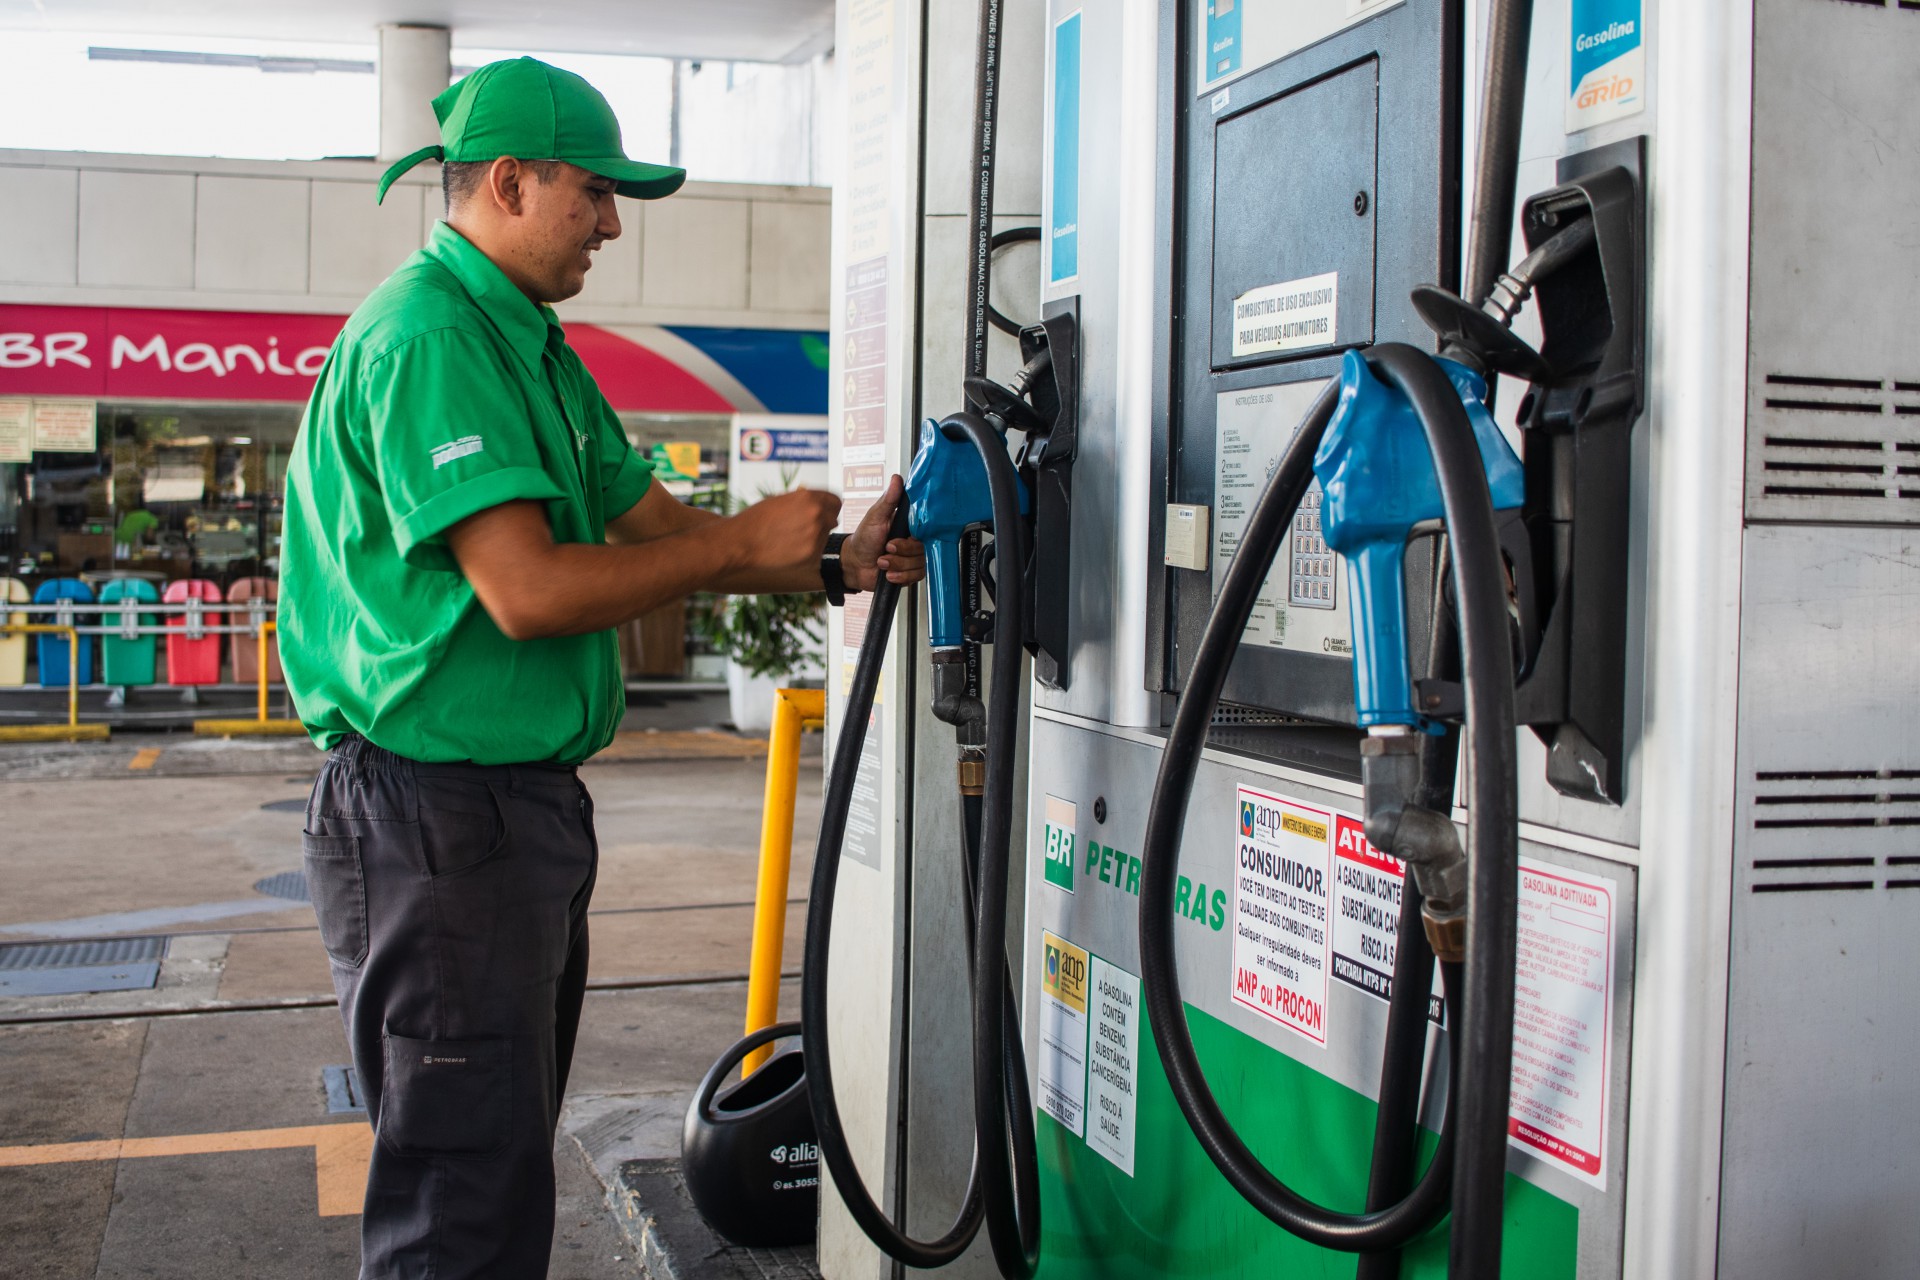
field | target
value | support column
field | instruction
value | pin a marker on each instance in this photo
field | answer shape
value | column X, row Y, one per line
column 415, row 64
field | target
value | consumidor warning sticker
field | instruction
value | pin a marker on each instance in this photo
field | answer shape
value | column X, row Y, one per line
column 1562, row 1018
column 1281, row 890
column 1063, row 1031
column 1290, row 316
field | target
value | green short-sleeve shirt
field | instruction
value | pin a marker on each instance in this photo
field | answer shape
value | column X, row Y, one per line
column 448, row 392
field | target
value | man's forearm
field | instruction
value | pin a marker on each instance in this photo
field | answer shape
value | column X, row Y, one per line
column 575, row 588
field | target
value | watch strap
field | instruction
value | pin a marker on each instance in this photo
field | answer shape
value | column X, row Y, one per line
column 831, row 574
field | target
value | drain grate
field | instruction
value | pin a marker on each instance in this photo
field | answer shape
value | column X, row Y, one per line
column 74, row 968
column 69, row 955
column 285, row 806
column 343, row 1091
column 291, row 885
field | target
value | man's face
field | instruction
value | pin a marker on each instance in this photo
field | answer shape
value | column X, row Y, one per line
column 564, row 219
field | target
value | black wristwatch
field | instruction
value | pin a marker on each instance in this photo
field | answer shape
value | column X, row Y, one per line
column 830, row 575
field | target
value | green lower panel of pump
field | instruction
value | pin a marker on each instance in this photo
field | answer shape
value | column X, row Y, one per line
column 1176, row 1216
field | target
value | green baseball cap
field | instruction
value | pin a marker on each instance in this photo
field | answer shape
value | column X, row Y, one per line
column 522, row 107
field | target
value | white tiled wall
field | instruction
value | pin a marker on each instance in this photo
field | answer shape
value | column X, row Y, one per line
column 39, row 225
column 136, row 229
column 159, row 231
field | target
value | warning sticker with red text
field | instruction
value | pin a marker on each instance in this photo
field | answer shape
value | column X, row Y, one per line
column 1281, row 894
column 1562, row 1018
column 1368, row 887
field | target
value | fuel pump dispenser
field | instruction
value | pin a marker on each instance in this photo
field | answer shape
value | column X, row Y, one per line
column 1467, row 823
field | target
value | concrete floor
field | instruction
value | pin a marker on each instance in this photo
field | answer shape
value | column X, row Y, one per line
column 232, row 1040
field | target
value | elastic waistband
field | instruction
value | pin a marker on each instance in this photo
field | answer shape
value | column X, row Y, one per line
column 357, row 752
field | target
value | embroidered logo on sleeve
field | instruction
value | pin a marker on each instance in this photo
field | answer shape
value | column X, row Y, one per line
column 452, row 449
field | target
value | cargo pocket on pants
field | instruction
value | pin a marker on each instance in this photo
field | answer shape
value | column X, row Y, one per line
column 446, row 1097
column 339, row 892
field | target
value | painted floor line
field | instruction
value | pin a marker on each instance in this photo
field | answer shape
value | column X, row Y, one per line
column 340, row 1154
column 154, row 918
column 144, row 758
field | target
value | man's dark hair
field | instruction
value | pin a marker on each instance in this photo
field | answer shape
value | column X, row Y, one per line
column 461, row 178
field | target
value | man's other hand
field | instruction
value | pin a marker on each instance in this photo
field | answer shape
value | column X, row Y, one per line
column 868, row 552
column 786, row 532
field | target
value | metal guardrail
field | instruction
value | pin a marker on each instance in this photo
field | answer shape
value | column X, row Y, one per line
column 262, row 628
column 72, row 730
column 127, row 626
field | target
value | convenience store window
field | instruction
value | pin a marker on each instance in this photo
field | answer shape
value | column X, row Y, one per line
column 171, row 491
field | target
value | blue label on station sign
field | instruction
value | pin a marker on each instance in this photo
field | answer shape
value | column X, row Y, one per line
column 1607, row 65
column 782, row 444
column 1063, row 235
column 1223, row 38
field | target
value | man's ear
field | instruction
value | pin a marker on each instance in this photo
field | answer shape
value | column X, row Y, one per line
column 506, row 177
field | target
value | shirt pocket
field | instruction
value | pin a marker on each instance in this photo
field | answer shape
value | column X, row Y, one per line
column 338, row 887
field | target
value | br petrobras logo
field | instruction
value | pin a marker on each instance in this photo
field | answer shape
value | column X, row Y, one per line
column 1057, row 831
column 1246, row 817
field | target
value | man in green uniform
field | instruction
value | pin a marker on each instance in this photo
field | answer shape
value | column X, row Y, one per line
column 465, row 525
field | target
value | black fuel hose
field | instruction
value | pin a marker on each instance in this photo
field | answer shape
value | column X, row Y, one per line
column 835, row 1152
column 1403, row 1057
column 1496, row 172
column 1003, row 1108
column 1482, row 1022
column 1003, row 1183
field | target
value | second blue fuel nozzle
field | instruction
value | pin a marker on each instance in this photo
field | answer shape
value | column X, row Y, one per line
column 1379, row 481
column 947, row 493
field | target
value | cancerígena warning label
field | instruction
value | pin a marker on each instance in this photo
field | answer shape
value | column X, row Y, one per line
column 1113, row 1062
column 1563, row 1018
column 1063, row 1031
column 1368, row 892
column 1291, row 316
column 1282, row 891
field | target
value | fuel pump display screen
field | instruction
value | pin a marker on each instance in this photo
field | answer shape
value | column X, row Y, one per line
column 1303, row 606
column 1238, row 36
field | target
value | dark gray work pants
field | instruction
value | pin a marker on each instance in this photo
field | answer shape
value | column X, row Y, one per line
column 452, row 900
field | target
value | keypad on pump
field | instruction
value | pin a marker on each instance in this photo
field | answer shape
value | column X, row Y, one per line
column 1312, row 578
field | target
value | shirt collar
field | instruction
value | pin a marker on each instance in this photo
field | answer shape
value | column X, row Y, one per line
column 526, row 324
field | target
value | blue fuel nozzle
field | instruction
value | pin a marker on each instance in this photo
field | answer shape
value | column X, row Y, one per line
column 1379, row 481
column 947, row 492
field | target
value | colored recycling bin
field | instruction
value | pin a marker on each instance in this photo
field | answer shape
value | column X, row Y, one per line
column 246, row 649
column 54, row 649
column 129, row 659
column 13, row 649
column 193, row 659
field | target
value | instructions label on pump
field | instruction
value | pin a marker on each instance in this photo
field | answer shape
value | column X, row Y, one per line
column 1302, row 606
column 1282, row 892
column 1562, row 1019
column 1063, row 1031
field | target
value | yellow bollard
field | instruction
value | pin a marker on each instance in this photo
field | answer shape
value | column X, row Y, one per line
column 266, row 629
column 72, row 730
column 260, row 725
column 793, row 709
